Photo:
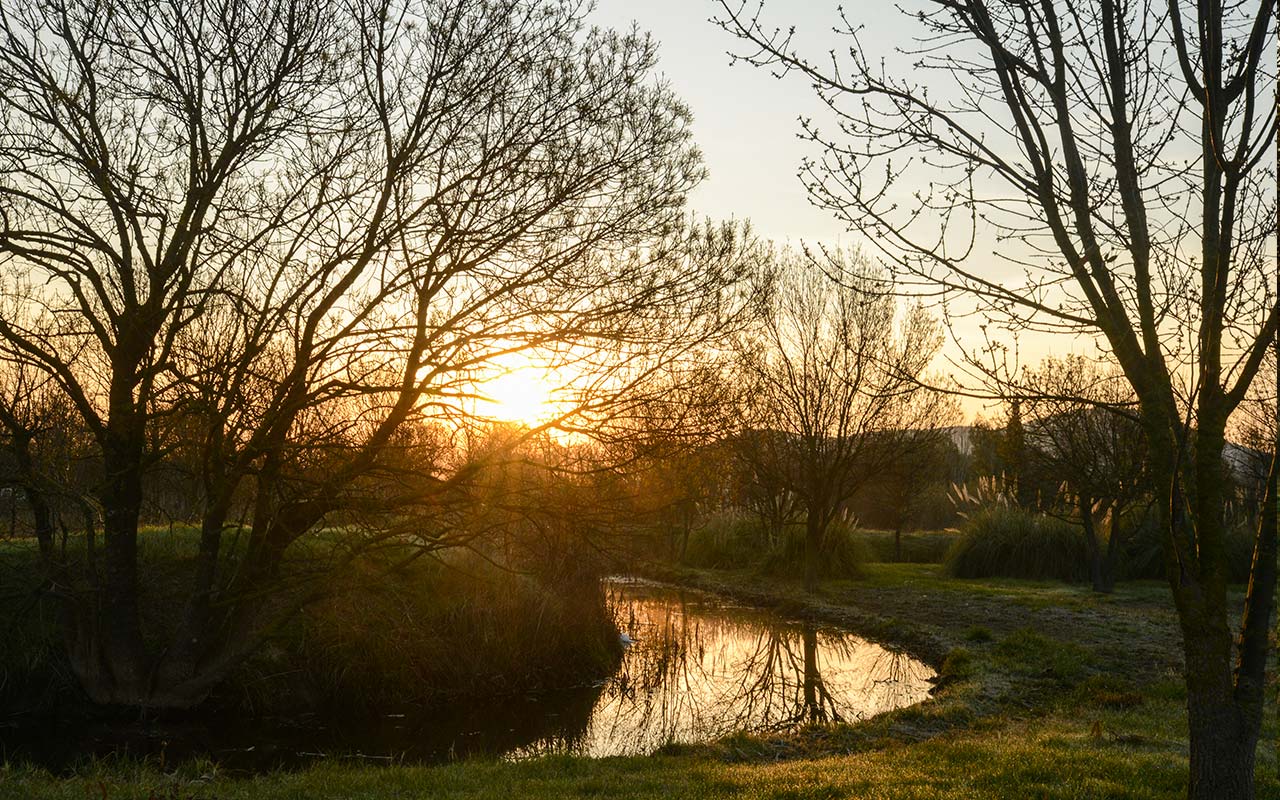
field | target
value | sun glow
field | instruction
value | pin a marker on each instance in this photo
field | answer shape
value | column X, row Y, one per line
column 522, row 395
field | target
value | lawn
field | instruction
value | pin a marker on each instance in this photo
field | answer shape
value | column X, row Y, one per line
column 1047, row 691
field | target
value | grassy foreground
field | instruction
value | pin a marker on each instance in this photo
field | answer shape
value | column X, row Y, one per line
column 1047, row 692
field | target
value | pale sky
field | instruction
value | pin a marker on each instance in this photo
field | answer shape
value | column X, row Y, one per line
column 746, row 120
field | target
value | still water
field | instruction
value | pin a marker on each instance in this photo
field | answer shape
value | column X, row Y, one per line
column 701, row 668
column 698, row 667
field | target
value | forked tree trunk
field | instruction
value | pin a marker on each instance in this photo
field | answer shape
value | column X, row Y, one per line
column 1097, row 566
column 1224, row 676
column 115, row 665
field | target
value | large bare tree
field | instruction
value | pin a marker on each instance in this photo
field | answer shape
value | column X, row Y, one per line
column 1100, row 168
column 835, row 373
column 272, row 240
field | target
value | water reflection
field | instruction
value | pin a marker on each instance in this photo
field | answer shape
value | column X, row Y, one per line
column 701, row 669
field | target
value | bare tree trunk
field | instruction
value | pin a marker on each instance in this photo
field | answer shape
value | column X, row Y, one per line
column 1097, row 572
column 1248, row 695
column 1224, row 736
column 42, row 517
column 121, row 676
column 33, row 491
column 1111, row 564
column 1224, row 705
column 812, row 551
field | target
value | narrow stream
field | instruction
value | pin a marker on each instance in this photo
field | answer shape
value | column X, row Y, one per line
column 698, row 667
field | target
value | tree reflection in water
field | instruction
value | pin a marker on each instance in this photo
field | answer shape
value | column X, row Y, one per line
column 701, row 669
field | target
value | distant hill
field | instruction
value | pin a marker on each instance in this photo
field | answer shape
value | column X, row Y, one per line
column 961, row 437
column 1245, row 463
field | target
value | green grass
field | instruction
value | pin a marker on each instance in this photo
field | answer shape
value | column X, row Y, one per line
column 1053, row 759
column 1047, row 691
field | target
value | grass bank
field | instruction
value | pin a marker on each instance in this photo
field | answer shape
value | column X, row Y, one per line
column 387, row 633
column 1047, row 691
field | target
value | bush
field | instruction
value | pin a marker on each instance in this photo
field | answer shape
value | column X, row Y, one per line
column 34, row 671
column 978, row 633
column 431, row 632
column 380, row 641
column 845, row 553
column 933, row 508
column 1011, row 542
column 734, row 540
column 1143, row 557
column 727, row 540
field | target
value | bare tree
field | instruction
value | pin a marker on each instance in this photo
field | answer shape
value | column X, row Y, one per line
column 835, row 376
column 273, row 239
column 919, row 461
column 767, row 492
column 1116, row 152
column 667, row 453
column 1254, row 426
column 38, row 437
column 1083, row 432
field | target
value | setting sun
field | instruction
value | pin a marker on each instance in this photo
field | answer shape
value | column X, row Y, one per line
column 402, row 398
column 519, row 395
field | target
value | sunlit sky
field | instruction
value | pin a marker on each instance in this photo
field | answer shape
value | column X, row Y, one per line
column 746, row 124
column 746, row 120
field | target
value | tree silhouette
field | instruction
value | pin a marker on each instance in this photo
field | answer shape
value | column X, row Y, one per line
column 835, row 391
column 1113, row 154
column 1084, row 433
column 272, row 242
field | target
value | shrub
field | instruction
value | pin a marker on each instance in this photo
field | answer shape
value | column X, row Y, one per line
column 34, row 672
column 958, row 664
column 979, row 634
column 380, row 641
column 734, row 540
column 1143, row 556
column 845, row 552
column 934, row 508
column 434, row 631
column 1011, row 542
column 727, row 540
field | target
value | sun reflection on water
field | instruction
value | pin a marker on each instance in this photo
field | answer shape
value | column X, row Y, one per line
column 700, row 669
